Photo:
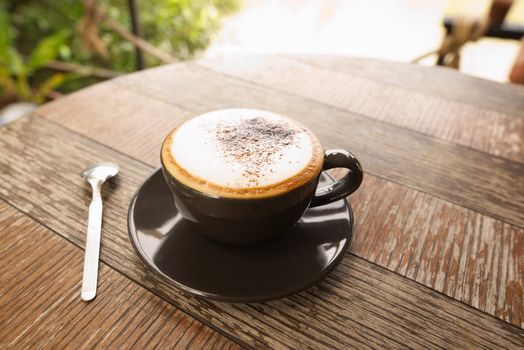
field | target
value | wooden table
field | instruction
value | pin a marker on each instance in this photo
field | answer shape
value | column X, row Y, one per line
column 437, row 256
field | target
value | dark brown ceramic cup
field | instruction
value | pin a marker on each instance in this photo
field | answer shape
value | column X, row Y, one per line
column 253, row 220
column 246, row 221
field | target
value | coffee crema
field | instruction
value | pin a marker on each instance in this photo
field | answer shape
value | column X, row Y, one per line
column 242, row 153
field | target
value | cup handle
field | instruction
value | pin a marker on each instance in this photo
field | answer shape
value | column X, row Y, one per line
column 342, row 188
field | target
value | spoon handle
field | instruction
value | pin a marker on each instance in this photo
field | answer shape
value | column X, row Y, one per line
column 94, row 228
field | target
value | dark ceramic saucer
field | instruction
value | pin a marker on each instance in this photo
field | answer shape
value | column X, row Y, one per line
column 172, row 247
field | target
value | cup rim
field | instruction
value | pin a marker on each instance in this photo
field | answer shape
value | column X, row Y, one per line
column 316, row 171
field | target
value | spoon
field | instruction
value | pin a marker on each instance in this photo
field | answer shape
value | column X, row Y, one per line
column 96, row 176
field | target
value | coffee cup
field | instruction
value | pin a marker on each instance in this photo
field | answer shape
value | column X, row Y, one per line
column 245, row 176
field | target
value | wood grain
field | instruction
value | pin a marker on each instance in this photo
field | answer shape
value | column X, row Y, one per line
column 437, row 81
column 468, row 256
column 40, row 277
column 359, row 305
column 469, row 125
column 473, row 179
column 134, row 119
column 453, row 250
column 121, row 109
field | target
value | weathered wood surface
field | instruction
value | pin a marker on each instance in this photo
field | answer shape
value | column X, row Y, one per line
column 463, row 253
column 420, row 109
column 40, row 306
column 438, row 81
column 360, row 304
column 471, row 264
column 436, row 213
column 458, row 174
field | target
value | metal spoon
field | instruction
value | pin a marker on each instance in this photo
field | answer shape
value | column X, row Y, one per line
column 96, row 176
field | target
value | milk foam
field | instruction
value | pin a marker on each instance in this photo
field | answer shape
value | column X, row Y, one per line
column 242, row 148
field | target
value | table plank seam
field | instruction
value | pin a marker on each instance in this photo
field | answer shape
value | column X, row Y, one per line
column 289, row 318
column 510, row 325
column 434, row 195
column 326, row 301
column 48, row 120
column 39, row 176
column 491, row 156
column 378, row 121
column 130, row 280
column 239, row 342
column 444, row 143
column 149, row 166
column 294, row 58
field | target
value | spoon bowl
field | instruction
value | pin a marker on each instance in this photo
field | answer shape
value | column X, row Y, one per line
column 100, row 172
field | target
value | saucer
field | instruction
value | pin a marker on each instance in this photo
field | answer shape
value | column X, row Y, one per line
column 172, row 247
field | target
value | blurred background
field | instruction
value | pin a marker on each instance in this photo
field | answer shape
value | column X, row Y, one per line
column 49, row 48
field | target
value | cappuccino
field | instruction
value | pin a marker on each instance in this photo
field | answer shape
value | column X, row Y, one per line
column 242, row 153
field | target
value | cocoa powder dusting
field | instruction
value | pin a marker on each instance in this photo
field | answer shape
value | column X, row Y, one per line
column 253, row 143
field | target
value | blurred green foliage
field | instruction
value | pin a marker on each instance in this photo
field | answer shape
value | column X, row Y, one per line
column 17, row 72
column 182, row 28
